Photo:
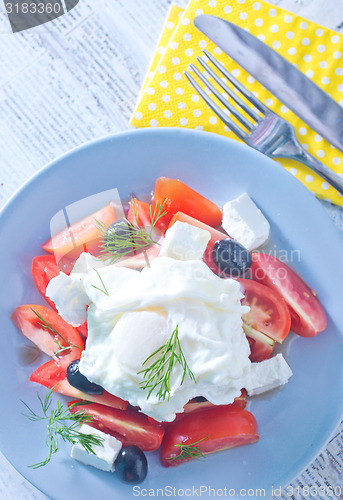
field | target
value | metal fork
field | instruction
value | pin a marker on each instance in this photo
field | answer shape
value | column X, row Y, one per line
column 264, row 130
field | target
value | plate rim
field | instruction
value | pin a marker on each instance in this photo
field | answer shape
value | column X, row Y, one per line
column 9, row 204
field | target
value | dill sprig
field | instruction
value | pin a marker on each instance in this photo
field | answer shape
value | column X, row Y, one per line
column 59, row 426
column 103, row 284
column 156, row 214
column 50, row 328
column 159, row 372
column 189, row 451
column 127, row 237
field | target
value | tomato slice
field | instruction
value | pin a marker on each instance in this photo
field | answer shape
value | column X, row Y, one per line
column 261, row 346
column 195, row 404
column 53, row 376
column 215, row 236
column 201, row 403
column 44, row 337
column 307, row 313
column 241, row 400
column 83, row 329
column 44, row 268
column 211, row 429
column 141, row 212
column 181, row 198
column 82, row 235
column 134, row 427
column 269, row 313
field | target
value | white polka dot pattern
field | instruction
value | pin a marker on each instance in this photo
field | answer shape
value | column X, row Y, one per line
column 169, row 100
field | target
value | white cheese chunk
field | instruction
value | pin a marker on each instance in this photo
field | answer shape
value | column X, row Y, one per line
column 185, row 242
column 70, row 298
column 244, row 222
column 105, row 455
column 267, row 375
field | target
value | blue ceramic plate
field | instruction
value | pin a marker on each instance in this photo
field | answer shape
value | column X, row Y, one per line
column 295, row 421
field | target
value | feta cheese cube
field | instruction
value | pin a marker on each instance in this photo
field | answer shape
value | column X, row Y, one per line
column 185, row 242
column 70, row 298
column 105, row 455
column 245, row 223
column 267, row 375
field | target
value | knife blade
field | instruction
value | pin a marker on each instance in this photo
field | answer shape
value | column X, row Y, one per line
column 294, row 89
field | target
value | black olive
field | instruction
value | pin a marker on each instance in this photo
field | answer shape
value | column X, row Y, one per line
column 79, row 381
column 131, row 465
column 231, row 257
column 122, row 229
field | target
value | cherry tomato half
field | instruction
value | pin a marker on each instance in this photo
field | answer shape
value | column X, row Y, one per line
column 44, row 268
column 82, row 235
column 141, row 211
column 269, row 313
column 49, row 332
column 195, row 404
column 130, row 426
column 261, row 346
column 308, row 316
column 208, row 430
column 53, row 376
column 180, row 197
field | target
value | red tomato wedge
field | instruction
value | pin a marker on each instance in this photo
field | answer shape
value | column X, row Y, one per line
column 215, row 236
column 261, row 346
column 134, row 427
column 53, row 376
column 208, row 430
column 48, row 332
column 269, row 313
column 308, row 316
column 201, row 403
column 83, row 329
column 141, row 212
column 241, row 400
column 195, row 405
column 44, row 268
column 82, row 235
column 181, row 198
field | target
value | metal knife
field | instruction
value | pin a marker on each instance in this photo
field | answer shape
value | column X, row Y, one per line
column 314, row 106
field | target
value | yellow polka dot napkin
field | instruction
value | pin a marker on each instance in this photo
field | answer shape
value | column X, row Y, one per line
column 174, row 15
column 169, row 100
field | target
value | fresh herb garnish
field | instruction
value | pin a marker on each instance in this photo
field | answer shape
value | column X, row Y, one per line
column 159, row 372
column 103, row 284
column 189, row 451
column 49, row 327
column 58, row 427
column 125, row 237
column 155, row 215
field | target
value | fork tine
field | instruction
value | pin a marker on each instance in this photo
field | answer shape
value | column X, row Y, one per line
column 218, row 95
column 232, row 125
column 232, row 94
column 249, row 95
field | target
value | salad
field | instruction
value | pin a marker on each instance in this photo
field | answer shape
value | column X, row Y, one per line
column 160, row 326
